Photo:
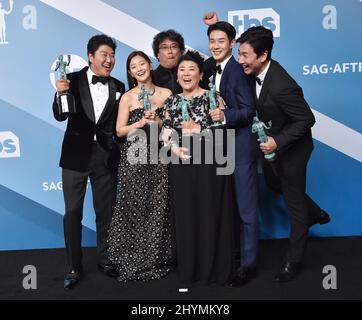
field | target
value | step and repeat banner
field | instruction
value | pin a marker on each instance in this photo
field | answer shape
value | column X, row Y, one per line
column 317, row 41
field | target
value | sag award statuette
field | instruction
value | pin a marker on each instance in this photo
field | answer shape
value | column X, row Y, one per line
column 184, row 109
column 145, row 96
column 187, row 141
column 258, row 127
column 66, row 101
column 212, row 95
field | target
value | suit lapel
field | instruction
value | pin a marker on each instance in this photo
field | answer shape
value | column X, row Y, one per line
column 108, row 108
column 225, row 75
column 85, row 95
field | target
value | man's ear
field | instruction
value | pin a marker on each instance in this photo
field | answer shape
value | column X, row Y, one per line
column 90, row 57
column 264, row 56
column 232, row 44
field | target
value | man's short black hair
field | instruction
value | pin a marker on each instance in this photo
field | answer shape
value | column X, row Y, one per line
column 260, row 39
column 101, row 39
column 168, row 34
column 223, row 26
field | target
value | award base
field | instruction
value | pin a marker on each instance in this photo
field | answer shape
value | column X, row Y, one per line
column 217, row 125
column 270, row 157
column 66, row 103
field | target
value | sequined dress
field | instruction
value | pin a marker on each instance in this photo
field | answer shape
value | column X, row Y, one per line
column 140, row 240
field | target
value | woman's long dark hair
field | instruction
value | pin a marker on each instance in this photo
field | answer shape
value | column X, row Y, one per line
column 132, row 82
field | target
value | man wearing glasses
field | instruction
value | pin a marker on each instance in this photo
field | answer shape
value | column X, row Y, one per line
column 168, row 46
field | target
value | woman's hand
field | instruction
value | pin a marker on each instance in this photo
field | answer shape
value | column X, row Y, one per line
column 181, row 152
column 141, row 123
column 190, row 126
column 150, row 114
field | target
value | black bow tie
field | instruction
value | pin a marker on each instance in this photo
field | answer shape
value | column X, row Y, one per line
column 258, row 80
column 96, row 79
column 218, row 69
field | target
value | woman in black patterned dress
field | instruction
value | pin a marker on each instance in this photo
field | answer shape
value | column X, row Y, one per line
column 201, row 200
column 140, row 244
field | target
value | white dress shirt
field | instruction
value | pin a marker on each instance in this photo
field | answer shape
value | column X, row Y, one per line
column 218, row 79
column 219, row 75
column 99, row 93
column 261, row 77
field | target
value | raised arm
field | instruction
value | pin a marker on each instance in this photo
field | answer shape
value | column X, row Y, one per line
column 210, row 18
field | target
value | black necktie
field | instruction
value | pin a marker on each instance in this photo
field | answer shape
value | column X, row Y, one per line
column 258, row 81
column 96, row 79
column 218, row 69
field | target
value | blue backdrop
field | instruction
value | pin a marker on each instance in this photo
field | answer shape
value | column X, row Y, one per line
column 318, row 42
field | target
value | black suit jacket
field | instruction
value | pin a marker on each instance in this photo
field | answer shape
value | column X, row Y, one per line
column 281, row 101
column 81, row 127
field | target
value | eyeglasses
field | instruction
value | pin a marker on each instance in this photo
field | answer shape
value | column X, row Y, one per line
column 172, row 47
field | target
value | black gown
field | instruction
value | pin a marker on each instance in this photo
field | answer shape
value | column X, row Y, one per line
column 202, row 205
column 140, row 241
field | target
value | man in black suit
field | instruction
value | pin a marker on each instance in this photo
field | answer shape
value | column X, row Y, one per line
column 168, row 46
column 89, row 151
column 280, row 100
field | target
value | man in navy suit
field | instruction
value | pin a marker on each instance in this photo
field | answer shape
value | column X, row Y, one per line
column 280, row 100
column 234, row 87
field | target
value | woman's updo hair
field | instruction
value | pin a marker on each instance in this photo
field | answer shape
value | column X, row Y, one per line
column 192, row 55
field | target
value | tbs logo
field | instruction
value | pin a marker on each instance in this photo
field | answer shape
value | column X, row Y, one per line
column 9, row 145
column 242, row 20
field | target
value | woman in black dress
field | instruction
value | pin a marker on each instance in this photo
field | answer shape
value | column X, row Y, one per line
column 140, row 244
column 201, row 200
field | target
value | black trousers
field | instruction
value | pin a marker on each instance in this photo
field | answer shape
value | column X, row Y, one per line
column 288, row 177
column 103, row 183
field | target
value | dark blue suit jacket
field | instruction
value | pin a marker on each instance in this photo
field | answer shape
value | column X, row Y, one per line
column 235, row 89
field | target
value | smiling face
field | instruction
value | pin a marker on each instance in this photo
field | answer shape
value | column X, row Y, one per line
column 248, row 59
column 188, row 75
column 220, row 46
column 169, row 53
column 140, row 69
column 103, row 60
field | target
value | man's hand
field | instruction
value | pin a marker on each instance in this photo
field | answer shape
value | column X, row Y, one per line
column 269, row 146
column 62, row 85
column 210, row 18
column 217, row 114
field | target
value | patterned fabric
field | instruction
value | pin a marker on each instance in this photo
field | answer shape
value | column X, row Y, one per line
column 198, row 111
column 140, row 243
